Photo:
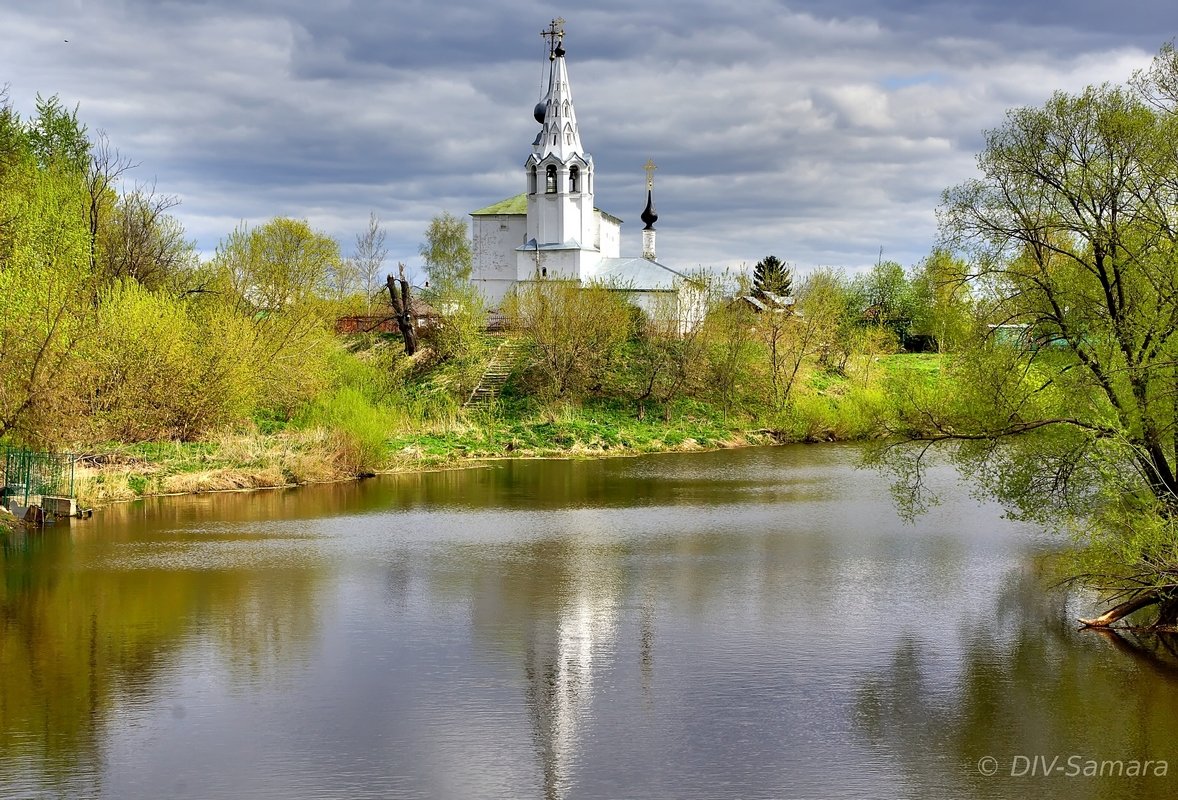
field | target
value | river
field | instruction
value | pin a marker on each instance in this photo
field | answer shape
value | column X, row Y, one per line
column 742, row 624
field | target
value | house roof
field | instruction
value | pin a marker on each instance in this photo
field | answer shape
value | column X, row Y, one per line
column 519, row 205
column 637, row 275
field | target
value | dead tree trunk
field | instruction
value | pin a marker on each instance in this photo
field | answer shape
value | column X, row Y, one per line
column 1121, row 610
column 402, row 312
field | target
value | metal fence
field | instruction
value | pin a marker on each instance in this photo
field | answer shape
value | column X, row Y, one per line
column 32, row 473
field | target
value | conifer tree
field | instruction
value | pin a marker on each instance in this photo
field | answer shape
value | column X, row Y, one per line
column 771, row 275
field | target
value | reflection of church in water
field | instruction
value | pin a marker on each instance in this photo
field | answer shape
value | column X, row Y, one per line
column 553, row 230
column 571, row 640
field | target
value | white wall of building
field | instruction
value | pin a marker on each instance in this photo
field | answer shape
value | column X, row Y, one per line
column 494, row 238
column 609, row 236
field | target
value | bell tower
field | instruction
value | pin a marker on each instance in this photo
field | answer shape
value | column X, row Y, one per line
column 559, row 173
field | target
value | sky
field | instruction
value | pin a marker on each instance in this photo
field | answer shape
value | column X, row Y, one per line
column 820, row 132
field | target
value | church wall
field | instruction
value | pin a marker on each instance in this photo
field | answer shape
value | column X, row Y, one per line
column 609, row 234
column 494, row 238
column 493, row 291
column 551, row 264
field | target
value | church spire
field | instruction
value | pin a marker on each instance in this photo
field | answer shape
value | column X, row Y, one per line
column 560, row 137
column 649, row 216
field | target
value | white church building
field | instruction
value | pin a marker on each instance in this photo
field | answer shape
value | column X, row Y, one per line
column 553, row 230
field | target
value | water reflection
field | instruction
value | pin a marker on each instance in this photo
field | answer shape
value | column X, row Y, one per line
column 79, row 643
column 744, row 624
column 1027, row 686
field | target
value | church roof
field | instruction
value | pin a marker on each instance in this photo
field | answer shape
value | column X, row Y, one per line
column 519, row 205
column 637, row 274
column 512, row 205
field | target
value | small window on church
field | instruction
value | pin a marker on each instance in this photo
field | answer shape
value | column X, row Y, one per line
column 544, row 272
column 550, row 179
column 532, row 181
column 574, row 180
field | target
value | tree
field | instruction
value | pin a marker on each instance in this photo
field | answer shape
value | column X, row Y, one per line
column 282, row 265
column 57, row 136
column 888, row 295
column 46, row 317
column 140, row 240
column 1070, row 223
column 105, row 167
column 446, row 251
column 277, row 277
column 576, row 330
column 368, row 258
column 666, row 355
column 402, row 302
column 731, row 353
column 941, row 301
column 771, row 275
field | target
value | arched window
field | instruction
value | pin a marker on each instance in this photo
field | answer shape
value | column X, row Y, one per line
column 568, row 134
column 550, row 179
column 574, row 180
column 544, row 272
column 532, row 181
column 565, row 109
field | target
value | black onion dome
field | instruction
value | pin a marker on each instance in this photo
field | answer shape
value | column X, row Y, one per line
column 538, row 112
column 648, row 214
column 559, row 51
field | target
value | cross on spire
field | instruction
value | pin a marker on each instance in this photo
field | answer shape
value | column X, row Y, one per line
column 650, row 168
column 554, row 33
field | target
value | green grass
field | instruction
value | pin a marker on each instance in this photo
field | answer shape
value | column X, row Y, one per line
column 371, row 423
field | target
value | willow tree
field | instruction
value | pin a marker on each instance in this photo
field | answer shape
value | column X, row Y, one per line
column 1071, row 415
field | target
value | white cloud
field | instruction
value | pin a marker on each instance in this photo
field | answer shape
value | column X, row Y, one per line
column 819, row 132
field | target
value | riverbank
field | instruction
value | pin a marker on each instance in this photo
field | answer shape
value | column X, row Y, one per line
column 856, row 406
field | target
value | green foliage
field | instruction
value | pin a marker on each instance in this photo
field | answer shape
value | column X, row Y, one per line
column 57, row 137
column 771, row 275
column 44, row 275
column 831, row 306
column 446, row 252
column 888, row 297
column 360, row 426
column 666, row 356
column 141, row 370
column 458, row 333
column 942, row 305
column 282, row 266
column 138, row 239
column 732, row 355
column 278, row 277
column 577, row 332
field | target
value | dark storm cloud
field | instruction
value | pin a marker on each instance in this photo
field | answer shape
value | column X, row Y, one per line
column 818, row 131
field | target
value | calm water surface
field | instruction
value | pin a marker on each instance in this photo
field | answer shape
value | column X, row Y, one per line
column 744, row 624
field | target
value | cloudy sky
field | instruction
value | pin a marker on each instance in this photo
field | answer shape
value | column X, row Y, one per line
column 817, row 131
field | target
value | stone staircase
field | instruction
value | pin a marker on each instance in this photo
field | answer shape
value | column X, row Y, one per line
column 503, row 362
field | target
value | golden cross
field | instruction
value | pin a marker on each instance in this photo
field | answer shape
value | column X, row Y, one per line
column 554, row 33
column 650, row 168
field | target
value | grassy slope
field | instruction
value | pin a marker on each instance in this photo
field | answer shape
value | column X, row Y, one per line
column 825, row 407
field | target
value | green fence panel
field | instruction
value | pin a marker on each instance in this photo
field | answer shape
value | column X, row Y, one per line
column 29, row 473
